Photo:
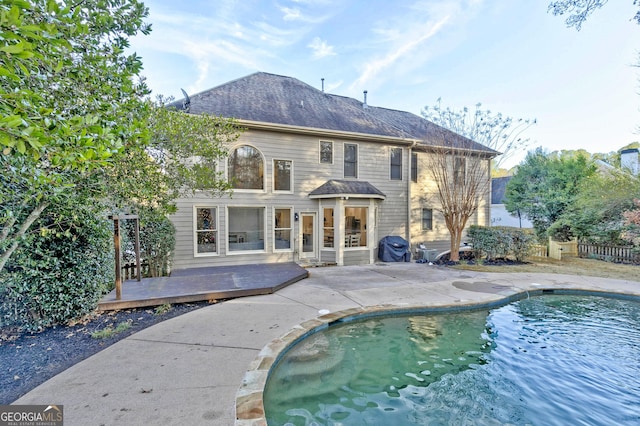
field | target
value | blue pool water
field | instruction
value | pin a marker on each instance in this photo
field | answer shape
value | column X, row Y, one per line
column 548, row 360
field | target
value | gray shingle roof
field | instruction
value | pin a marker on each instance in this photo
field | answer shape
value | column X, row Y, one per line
column 270, row 98
column 336, row 188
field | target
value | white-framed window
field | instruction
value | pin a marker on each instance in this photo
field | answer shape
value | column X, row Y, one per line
column 326, row 152
column 328, row 228
column 282, row 228
column 283, row 175
column 427, row 219
column 350, row 160
column 395, row 163
column 246, row 168
column 245, row 229
column 414, row 167
column 355, row 226
column 459, row 170
column 206, row 231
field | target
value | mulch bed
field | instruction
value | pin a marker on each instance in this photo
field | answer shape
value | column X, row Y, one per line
column 27, row 359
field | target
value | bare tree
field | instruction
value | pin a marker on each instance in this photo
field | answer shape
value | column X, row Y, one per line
column 461, row 172
column 579, row 10
column 493, row 130
column 460, row 149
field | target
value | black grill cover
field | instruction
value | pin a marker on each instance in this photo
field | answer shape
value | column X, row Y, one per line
column 394, row 249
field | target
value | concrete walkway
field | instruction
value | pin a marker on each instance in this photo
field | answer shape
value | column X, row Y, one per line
column 188, row 369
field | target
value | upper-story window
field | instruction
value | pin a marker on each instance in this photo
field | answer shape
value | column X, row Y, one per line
column 282, row 175
column 350, row 160
column 246, row 168
column 326, row 152
column 414, row 167
column 459, row 170
column 395, row 157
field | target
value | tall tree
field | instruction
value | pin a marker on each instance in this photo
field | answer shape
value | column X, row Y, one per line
column 459, row 167
column 182, row 155
column 545, row 185
column 74, row 121
column 69, row 101
column 597, row 211
column 493, row 130
column 579, row 10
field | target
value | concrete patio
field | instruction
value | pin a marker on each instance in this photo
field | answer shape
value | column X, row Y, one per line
column 188, row 370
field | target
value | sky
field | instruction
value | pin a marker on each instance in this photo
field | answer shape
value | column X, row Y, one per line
column 512, row 57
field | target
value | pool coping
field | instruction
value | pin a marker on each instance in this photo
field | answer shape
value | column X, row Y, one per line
column 249, row 405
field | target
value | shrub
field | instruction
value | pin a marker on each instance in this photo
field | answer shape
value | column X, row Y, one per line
column 500, row 242
column 157, row 241
column 522, row 241
column 61, row 274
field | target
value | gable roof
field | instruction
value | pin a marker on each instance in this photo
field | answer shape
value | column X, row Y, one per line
column 286, row 101
column 346, row 188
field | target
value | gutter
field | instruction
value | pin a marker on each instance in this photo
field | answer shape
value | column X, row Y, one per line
column 314, row 131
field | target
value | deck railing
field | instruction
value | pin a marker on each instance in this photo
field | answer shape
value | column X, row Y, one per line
column 129, row 270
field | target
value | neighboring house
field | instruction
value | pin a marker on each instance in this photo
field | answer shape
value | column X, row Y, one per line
column 319, row 179
column 499, row 214
column 630, row 161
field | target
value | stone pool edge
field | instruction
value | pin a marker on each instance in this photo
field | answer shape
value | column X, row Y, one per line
column 249, row 407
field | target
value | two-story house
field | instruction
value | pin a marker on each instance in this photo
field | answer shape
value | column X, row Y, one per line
column 318, row 178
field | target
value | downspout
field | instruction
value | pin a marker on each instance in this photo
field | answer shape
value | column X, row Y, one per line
column 408, row 231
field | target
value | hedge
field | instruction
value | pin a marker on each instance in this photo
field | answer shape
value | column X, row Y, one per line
column 61, row 274
column 501, row 241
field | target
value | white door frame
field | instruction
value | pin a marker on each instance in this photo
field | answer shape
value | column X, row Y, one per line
column 310, row 236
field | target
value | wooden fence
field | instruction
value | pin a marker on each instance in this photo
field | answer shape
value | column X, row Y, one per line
column 538, row 250
column 129, row 270
column 559, row 250
column 610, row 253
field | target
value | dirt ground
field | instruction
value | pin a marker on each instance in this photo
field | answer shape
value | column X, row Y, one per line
column 572, row 266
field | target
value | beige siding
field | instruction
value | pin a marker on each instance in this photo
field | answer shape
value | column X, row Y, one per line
column 424, row 195
column 308, row 174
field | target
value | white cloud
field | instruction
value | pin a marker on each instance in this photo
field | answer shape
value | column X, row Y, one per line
column 330, row 87
column 403, row 45
column 404, row 40
column 309, row 15
column 320, row 48
column 212, row 43
column 290, row 14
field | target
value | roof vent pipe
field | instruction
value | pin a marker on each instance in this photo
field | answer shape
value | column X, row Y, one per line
column 364, row 105
column 322, row 84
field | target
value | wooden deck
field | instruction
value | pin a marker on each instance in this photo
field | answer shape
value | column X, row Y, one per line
column 198, row 284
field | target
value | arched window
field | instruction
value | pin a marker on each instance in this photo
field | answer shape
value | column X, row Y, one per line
column 246, row 168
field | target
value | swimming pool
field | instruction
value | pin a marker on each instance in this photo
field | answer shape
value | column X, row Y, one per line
column 541, row 360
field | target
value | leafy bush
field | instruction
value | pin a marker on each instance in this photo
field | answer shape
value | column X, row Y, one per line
column 157, row 241
column 61, row 274
column 500, row 242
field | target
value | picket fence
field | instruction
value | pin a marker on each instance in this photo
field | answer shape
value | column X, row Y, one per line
column 610, row 253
